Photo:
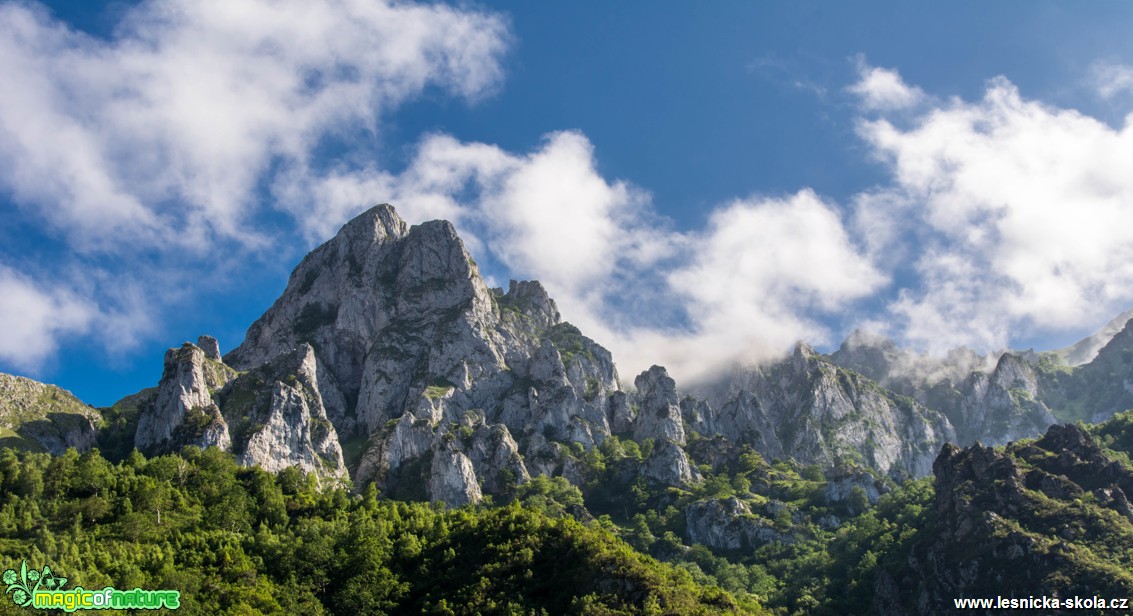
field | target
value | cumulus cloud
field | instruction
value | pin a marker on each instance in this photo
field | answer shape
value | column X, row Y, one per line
column 157, row 141
column 1021, row 218
column 761, row 275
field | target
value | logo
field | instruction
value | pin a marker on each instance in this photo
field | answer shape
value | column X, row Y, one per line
column 43, row 590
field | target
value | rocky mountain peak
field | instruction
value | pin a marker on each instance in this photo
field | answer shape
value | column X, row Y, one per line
column 656, row 384
column 210, row 347
column 529, row 297
column 1085, row 350
column 660, row 415
column 183, row 411
column 870, row 354
column 374, row 226
column 802, row 350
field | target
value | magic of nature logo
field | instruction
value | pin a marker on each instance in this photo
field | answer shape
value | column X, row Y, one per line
column 43, row 589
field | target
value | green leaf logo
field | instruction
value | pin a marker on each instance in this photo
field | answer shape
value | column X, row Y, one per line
column 22, row 585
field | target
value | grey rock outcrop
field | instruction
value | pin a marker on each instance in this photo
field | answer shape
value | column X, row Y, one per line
column 184, row 412
column 409, row 340
column 728, row 524
column 840, row 485
column 452, row 479
column 1003, row 406
column 210, row 347
column 807, row 408
column 272, row 416
column 294, row 429
column 993, row 402
column 659, row 416
column 668, row 465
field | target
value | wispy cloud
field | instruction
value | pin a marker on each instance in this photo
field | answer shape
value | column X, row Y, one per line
column 787, row 73
column 159, row 139
column 1111, row 79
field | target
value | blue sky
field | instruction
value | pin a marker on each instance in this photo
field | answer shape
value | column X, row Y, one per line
column 696, row 185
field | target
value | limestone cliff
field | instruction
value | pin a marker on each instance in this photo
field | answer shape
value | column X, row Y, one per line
column 408, row 341
column 807, row 408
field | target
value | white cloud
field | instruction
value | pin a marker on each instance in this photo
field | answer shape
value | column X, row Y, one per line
column 759, row 277
column 153, row 145
column 162, row 134
column 36, row 316
column 882, row 89
column 1022, row 218
column 744, row 289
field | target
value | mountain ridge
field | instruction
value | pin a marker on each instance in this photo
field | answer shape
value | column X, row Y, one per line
column 406, row 369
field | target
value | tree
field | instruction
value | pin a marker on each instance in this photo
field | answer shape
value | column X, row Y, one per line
column 858, row 500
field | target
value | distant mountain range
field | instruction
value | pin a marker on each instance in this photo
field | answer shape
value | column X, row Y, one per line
column 389, row 360
column 389, row 367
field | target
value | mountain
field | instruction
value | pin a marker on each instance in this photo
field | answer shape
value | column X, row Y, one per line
column 42, row 417
column 389, row 368
column 1050, row 517
column 387, row 359
column 1086, row 349
column 808, row 408
column 1094, row 391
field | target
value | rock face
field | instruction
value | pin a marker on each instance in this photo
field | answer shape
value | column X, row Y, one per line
column 388, row 359
column 994, row 406
column 293, row 429
column 1016, row 519
column 841, row 484
column 1017, row 396
column 660, row 414
column 272, row 416
column 1084, row 351
column 184, row 412
column 729, row 525
column 1094, row 391
column 43, row 417
column 669, row 465
column 438, row 381
column 807, row 408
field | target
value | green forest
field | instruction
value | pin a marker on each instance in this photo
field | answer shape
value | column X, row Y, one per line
column 237, row 540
